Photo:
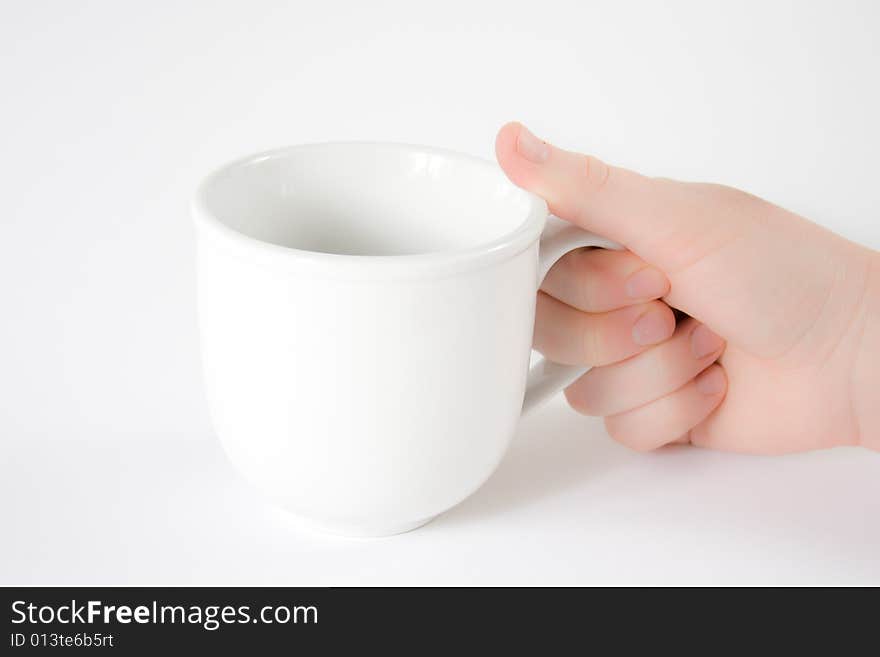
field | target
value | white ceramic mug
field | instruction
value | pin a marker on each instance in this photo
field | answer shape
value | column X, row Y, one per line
column 366, row 315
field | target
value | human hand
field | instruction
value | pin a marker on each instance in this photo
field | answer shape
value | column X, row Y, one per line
column 790, row 311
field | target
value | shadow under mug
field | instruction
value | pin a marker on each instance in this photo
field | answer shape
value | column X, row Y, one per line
column 366, row 314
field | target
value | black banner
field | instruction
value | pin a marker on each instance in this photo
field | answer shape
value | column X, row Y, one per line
column 135, row 620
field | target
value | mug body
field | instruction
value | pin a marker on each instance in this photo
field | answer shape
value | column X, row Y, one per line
column 366, row 315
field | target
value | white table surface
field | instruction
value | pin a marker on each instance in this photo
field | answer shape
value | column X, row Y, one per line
column 109, row 473
column 567, row 506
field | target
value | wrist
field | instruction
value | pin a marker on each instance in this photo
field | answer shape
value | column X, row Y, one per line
column 865, row 381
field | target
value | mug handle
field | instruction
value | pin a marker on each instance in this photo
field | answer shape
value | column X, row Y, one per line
column 546, row 378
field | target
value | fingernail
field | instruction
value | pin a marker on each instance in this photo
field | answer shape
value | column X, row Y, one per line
column 532, row 148
column 711, row 382
column 705, row 342
column 647, row 283
column 651, row 328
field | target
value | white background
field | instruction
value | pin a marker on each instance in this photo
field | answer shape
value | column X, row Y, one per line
column 111, row 111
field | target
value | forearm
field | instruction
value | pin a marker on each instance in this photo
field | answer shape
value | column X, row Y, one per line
column 865, row 384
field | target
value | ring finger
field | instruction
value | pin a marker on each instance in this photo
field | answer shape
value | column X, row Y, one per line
column 648, row 376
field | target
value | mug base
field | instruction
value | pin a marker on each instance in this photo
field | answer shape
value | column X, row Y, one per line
column 360, row 531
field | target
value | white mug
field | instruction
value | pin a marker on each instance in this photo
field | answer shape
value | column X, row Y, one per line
column 366, row 315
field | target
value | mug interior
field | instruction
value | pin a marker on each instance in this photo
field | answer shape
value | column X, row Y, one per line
column 368, row 199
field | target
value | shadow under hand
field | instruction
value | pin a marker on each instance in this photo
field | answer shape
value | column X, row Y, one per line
column 554, row 451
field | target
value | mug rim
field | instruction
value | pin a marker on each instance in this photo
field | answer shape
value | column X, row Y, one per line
column 502, row 247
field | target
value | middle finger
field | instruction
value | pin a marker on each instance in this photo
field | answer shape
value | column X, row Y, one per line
column 571, row 337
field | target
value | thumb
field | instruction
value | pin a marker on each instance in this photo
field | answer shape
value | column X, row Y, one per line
column 731, row 258
column 657, row 219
